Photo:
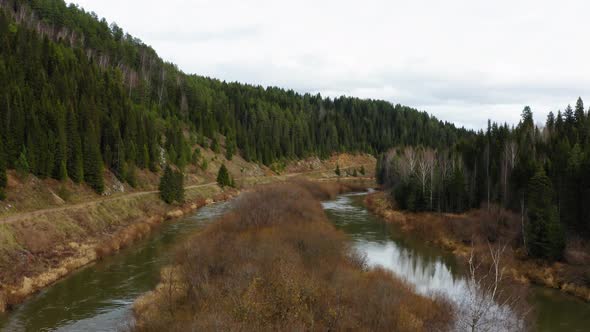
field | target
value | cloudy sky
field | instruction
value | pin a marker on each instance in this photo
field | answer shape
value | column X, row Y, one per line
column 462, row 60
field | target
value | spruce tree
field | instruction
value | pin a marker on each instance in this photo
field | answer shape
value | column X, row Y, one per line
column 75, row 168
column 93, row 168
column 545, row 236
column 223, row 177
column 167, row 185
column 178, row 187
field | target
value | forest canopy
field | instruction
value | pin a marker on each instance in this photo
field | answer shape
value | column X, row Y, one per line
column 79, row 95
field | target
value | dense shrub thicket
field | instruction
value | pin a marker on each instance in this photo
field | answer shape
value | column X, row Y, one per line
column 276, row 263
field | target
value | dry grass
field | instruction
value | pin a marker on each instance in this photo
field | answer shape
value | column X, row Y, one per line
column 37, row 251
column 276, row 263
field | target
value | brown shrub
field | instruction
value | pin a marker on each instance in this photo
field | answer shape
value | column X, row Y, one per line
column 276, row 263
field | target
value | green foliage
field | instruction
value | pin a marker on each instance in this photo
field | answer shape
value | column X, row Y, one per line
column 93, row 167
column 196, row 156
column 545, row 236
column 215, row 145
column 74, row 115
column 22, row 164
column 57, row 95
column 337, row 171
column 230, row 148
column 224, row 179
column 362, row 170
column 204, row 165
column 3, row 177
column 172, row 186
column 355, row 173
column 131, row 176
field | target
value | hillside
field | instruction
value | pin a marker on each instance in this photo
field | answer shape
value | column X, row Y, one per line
column 81, row 96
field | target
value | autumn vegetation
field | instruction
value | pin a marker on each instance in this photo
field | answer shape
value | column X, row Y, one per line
column 276, row 263
column 473, row 232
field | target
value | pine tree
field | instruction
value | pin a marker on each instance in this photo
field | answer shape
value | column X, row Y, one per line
column 545, row 236
column 337, row 171
column 223, row 177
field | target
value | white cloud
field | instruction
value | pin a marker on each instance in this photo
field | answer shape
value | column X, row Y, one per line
column 462, row 60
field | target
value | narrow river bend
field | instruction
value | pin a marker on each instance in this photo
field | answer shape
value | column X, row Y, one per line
column 100, row 296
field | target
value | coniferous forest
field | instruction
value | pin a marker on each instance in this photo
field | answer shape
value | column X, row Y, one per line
column 79, row 96
column 541, row 172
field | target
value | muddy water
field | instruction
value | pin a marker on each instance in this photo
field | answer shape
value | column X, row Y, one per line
column 99, row 297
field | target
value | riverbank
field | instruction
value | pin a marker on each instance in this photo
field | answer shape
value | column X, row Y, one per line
column 38, row 248
column 459, row 233
column 275, row 262
column 41, row 249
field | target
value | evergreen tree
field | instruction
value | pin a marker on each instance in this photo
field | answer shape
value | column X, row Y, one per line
column 93, row 169
column 204, row 165
column 215, row 145
column 223, row 177
column 22, row 164
column 545, row 236
column 75, row 168
column 362, row 171
column 337, row 171
column 131, row 176
column 3, row 178
column 167, row 186
column 179, row 187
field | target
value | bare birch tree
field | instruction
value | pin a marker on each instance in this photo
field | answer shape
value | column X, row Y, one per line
column 489, row 306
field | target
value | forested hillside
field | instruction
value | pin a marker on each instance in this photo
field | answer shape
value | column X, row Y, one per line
column 543, row 173
column 78, row 95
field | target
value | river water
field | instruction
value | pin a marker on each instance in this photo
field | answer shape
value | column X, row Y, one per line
column 100, row 296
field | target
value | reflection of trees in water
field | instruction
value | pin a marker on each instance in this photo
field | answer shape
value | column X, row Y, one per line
column 429, row 271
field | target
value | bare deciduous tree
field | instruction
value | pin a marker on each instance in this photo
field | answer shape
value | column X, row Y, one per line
column 489, row 305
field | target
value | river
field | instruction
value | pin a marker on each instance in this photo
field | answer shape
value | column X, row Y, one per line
column 100, row 296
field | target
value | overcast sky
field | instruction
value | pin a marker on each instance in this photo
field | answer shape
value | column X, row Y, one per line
column 462, row 60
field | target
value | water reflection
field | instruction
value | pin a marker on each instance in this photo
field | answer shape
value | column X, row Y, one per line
column 424, row 268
